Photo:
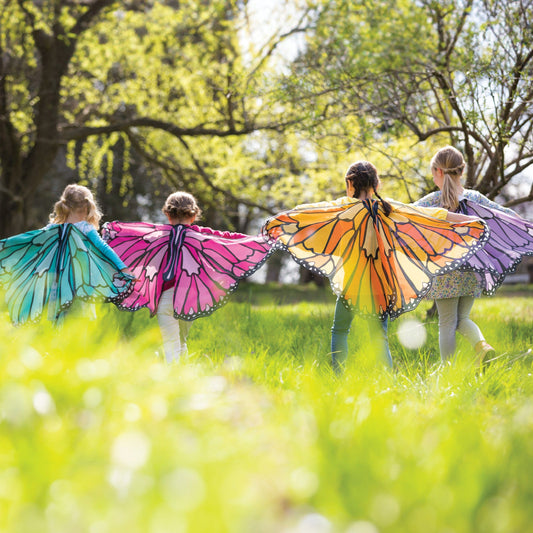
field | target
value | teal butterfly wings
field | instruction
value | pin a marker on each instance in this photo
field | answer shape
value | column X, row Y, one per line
column 50, row 268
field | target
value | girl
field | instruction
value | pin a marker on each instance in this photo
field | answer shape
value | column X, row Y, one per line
column 61, row 262
column 380, row 257
column 183, row 271
column 511, row 237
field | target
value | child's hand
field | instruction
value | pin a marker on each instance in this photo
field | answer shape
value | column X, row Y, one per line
column 459, row 217
column 128, row 272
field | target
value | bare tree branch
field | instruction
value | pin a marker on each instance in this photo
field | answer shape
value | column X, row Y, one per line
column 69, row 133
column 95, row 8
column 199, row 169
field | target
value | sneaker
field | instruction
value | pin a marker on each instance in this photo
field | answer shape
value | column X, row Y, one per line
column 484, row 351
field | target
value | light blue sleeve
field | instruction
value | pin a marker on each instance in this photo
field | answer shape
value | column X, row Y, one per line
column 93, row 236
column 430, row 200
column 477, row 197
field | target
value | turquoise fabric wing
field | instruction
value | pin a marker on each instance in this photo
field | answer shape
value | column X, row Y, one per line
column 53, row 266
column 27, row 264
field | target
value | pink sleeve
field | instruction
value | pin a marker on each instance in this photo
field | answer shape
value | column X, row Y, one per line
column 216, row 233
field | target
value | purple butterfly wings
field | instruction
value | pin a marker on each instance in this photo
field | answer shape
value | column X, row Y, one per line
column 511, row 238
column 205, row 265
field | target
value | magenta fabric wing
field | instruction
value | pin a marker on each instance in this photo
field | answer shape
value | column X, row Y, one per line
column 511, row 238
column 205, row 264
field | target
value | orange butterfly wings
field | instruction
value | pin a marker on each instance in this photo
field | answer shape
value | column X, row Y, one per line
column 380, row 265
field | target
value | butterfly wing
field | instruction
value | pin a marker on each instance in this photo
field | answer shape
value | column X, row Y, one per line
column 379, row 265
column 53, row 266
column 210, row 266
column 27, row 265
column 511, row 238
column 143, row 247
column 418, row 247
column 86, row 273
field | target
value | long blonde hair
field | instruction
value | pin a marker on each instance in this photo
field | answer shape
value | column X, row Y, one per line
column 452, row 163
column 181, row 206
column 76, row 198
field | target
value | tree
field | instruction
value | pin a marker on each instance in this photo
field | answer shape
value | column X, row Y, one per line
column 432, row 72
column 164, row 80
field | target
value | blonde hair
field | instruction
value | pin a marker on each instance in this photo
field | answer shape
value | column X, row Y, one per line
column 76, row 198
column 452, row 163
column 181, row 206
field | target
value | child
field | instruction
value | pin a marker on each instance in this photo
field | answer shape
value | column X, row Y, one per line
column 65, row 260
column 380, row 257
column 183, row 271
column 511, row 237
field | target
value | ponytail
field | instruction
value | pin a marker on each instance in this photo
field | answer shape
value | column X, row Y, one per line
column 452, row 163
column 449, row 198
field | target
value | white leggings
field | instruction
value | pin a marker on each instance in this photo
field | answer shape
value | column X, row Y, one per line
column 454, row 314
column 173, row 331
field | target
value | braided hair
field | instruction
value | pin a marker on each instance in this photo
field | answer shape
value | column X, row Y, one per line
column 76, row 198
column 451, row 162
column 181, row 206
column 363, row 176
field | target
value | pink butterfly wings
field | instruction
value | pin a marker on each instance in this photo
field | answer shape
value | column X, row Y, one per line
column 206, row 265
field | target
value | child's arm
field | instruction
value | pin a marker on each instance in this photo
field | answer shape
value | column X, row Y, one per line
column 480, row 199
column 430, row 200
column 93, row 236
column 444, row 214
column 223, row 234
column 458, row 217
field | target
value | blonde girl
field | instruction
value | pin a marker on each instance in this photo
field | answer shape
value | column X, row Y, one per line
column 455, row 293
column 62, row 262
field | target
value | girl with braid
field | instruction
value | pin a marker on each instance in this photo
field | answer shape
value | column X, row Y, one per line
column 183, row 271
column 380, row 256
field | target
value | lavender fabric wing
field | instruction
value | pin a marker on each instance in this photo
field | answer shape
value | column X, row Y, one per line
column 511, row 239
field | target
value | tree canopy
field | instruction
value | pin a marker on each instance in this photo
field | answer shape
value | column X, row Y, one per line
column 429, row 73
column 140, row 97
column 168, row 82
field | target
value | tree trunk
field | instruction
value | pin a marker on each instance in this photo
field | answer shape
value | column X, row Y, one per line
column 273, row 267
column 12, row 203
column 306, row 276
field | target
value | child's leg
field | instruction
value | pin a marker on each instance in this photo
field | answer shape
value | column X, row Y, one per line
column 387, row 358
column 185, row 326
column 339, row 335
column 465, row 325
column 169, row 326
column 447, row 308
column 380, row 328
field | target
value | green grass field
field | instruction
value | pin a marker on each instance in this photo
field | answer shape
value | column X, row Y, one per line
column 254, row 433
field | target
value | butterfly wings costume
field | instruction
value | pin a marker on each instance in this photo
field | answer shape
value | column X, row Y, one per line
column 203, row 265
column 379, row 265
column 511, row 238
column 53, row 266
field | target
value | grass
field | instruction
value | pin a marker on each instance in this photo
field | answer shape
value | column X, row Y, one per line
column 254, row 433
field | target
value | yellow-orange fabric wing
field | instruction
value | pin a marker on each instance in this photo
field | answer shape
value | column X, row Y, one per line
column 379, row 265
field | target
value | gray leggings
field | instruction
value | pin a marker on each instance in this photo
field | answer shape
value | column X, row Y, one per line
column 454, row 314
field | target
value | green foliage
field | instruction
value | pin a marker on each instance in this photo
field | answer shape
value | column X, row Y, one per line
column 422, row 72
column 162, row 92
column 253, row 432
